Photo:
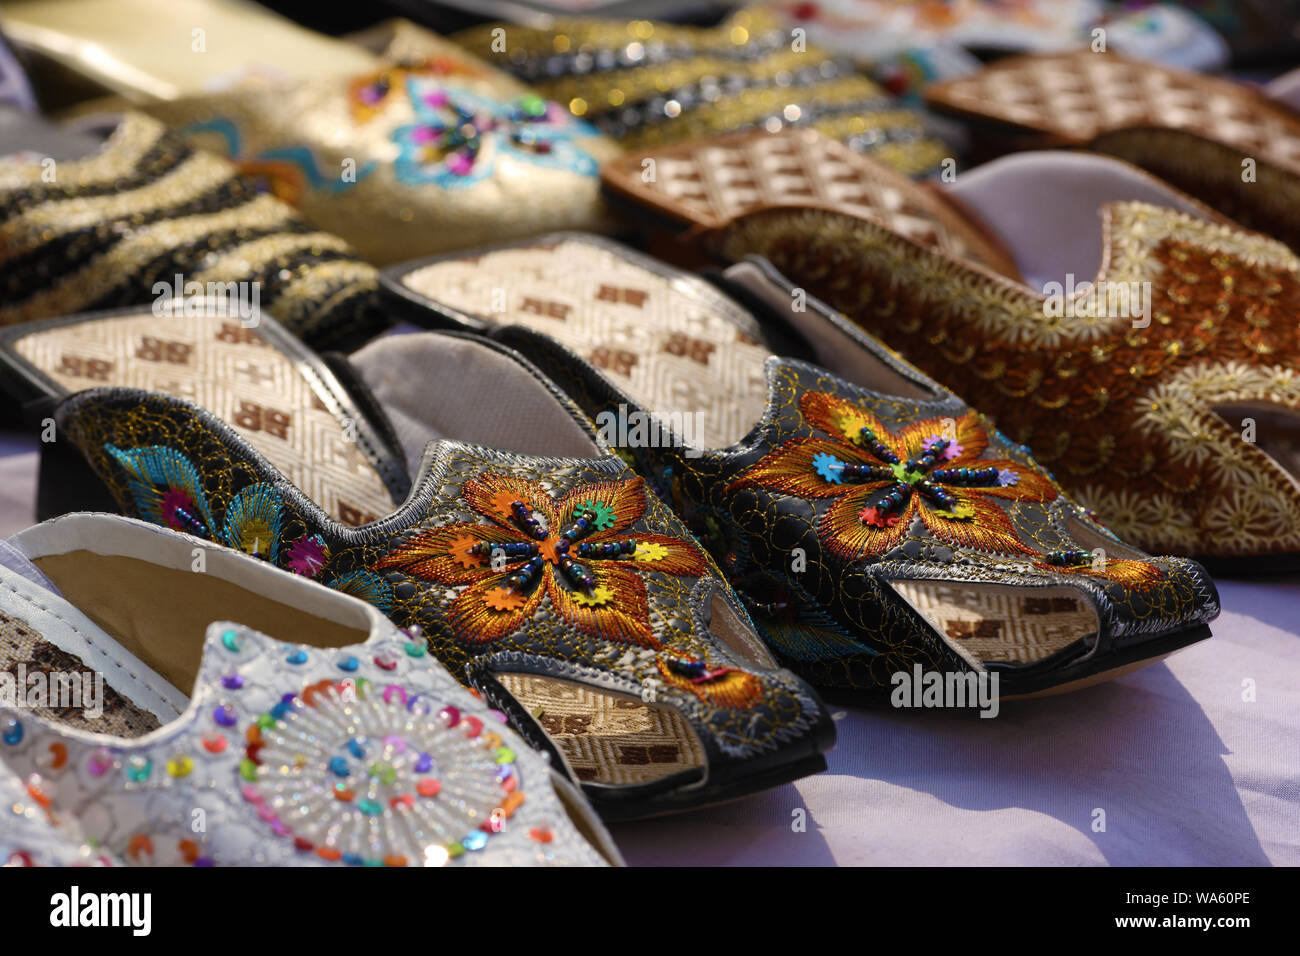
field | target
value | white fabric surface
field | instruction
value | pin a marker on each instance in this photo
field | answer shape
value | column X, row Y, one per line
column 1186, row 770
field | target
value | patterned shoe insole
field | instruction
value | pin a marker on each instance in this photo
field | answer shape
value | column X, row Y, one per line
column 296, row 416
column 671, row 342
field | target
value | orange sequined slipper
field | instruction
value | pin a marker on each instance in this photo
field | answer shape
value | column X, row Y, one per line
column 1147, row 356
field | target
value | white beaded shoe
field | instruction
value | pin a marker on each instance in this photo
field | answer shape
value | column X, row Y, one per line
column 338, row 740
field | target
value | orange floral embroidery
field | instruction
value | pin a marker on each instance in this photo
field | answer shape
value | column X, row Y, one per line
column 882, row 481
column 575, row 551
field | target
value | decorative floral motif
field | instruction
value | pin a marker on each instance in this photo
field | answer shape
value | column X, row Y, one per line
column 348, row 771
column 459, row 135
column 369, row 94
column 881, row 481
column 574, row 551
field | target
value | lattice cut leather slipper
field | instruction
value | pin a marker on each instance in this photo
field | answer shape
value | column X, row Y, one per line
column 647, row 83
column 546, row 575
column 143, row 213
column 1148, row 358
column 873, row 527
column 338, row 741
column 1195, row 131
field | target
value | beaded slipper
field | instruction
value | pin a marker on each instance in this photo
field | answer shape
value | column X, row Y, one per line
column 1161, row 391
column 545, row 576
column 352, row 747
column 143, row 214
column 412, row 157
column 873, row 527
column 33, row 834
column 647, row 83
column 1229, row 144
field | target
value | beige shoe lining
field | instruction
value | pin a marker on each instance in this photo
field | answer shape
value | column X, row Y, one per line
column 239, row 377
column 435, row 386
column 607, row 737
column 161, row 614
column 996, row 623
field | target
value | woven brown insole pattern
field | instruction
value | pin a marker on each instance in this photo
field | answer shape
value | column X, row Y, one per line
column 237, row 375
column 998, row 624
column 670, row 343
column 44, row 665
column 607, row 737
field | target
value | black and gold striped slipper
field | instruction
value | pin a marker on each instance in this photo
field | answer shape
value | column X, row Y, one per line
column 141, row 217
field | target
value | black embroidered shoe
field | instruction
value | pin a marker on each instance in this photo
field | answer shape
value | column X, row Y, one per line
column 547, row 577
column 873, row 520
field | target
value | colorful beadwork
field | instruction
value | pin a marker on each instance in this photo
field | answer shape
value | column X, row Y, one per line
column 347, row 771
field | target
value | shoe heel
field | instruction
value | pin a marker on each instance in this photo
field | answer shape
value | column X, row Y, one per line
column 66, row 482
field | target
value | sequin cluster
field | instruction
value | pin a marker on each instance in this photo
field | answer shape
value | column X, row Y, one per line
column 373, row 776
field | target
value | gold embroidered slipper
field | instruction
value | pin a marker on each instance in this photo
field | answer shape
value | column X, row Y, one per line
column 647, row 83
column 411, row 157
column 873, row 521
column 1148, row 358
column 545, row 576
column 1231, row 145
column 145, row 218
column 145, row 50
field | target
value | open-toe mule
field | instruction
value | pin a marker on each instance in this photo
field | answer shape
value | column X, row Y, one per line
column 545, row 575
column 873, row 521
column 1142, row 345
column 312, row 732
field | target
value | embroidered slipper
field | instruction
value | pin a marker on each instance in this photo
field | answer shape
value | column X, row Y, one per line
column 873, row 527
column 142, row 213
column 545, row 576
column 338, row 740
column 1146, row 358
column 308, row 419
column 410, row 158
column 647, row 83
column 148, row 51
column 1229, row 144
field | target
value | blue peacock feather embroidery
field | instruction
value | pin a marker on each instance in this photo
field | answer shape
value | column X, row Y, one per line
column 458, row 136
column 166, row 490
column 253, row 521
column 366, row 585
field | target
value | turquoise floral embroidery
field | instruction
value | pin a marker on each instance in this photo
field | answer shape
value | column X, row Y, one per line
column 458, row 136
